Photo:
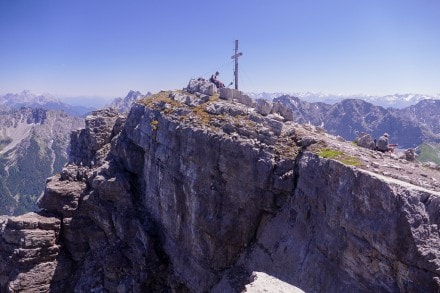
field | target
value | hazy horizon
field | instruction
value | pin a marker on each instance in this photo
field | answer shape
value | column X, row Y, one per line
column 101, row 101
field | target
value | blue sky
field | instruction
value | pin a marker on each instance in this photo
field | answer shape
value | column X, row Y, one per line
column 107, row 47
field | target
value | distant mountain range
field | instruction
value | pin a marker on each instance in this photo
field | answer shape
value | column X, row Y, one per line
column 34, row 144
column 46, row 101
column 398, row 101
column 409, row 127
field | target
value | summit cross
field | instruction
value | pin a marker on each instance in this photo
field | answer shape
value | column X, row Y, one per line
column 235, row 56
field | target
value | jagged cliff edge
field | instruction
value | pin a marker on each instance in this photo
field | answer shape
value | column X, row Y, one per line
column 191, row 193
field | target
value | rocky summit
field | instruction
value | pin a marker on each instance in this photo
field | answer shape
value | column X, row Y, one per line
column 207, row 190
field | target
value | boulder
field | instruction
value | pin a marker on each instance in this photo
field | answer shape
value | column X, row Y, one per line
column 190, row 99
column 236, row 95
column 410, row 154
column 202, row 86
column 282, row 110
column 365, row 140
column 263, row 107
column 29, row 252
column 62, row 196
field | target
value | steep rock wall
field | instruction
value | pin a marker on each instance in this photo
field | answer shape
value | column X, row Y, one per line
column 194, row 198
column 350, row 231
column 199, row 187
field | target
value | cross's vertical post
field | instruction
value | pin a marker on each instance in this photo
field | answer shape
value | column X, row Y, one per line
column 235, row 57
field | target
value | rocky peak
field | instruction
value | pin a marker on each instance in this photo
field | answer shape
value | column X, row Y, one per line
column 408, row 127
column 426, row 113
column 195, row 190
column 101, row 127
column 123, row 105
column 27, row 98
column 38, row 116
column 304, row 112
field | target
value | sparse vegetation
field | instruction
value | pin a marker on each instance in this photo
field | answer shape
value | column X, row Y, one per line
column 429, row 153
column 154, row 124
column 330, row 154
column 214, row 97
column 159, row 98
column 339, row 156
column 352, row 161
column 200, row 112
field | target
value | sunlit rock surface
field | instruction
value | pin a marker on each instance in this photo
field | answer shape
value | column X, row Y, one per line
column 194, row 197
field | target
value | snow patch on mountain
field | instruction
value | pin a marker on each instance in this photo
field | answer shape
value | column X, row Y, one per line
column 16, row 134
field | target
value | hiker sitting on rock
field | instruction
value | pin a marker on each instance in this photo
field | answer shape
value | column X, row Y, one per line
column 382, row 144
column 215, row 81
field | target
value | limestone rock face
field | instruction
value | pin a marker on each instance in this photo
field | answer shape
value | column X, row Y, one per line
column 197, row 178
column 201, row 86
column 98, row 131
column 62, row 195
column 285, row 112
column 381, row 237
column 190, row 100
column 29, row 253
column 263, row 107
column 107, row 241
column 232, row 94
column 195, row 194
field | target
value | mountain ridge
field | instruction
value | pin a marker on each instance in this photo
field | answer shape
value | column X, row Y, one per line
column 409, row 127
column 33, row 145
column 397, row 101
column 193, row 190
column 47, row 101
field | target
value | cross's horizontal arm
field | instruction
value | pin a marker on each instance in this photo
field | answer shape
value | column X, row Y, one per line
column 236, row 55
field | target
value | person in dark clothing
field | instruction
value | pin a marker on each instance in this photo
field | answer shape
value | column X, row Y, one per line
column 383, row 145
column 215, row 81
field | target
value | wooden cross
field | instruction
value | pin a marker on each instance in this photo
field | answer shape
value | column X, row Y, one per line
column 235, row 56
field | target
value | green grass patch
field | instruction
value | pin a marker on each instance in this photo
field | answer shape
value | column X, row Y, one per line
column 339, row 156
column 352, row 161
column 329, row 153
column 429, row 153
